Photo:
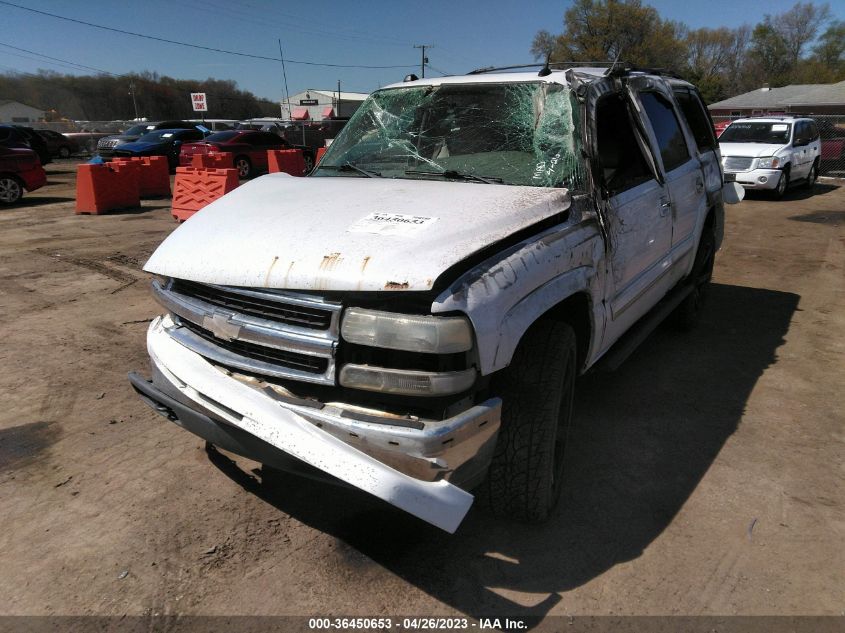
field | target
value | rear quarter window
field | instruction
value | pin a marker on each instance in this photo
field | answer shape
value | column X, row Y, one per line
column 697, row 119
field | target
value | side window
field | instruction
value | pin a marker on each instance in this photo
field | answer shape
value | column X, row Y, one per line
column 814, row 131
column 801, row 135
column 5, row 134
column 670, row 138
column 696, row 116
column 268, row 138
column 622, row 162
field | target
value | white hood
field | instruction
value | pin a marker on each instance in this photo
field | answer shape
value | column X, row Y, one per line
column 346, row 233
column 752, row 150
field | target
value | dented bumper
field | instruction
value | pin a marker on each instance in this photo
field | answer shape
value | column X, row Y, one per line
column 416, row 465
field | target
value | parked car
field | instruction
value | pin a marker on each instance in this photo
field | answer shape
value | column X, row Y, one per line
column 106, row 146
column 21, row 136
column 249, row 149
column 771, row 153
column 87, row 139
column 307, row 135
column 719, row 127
column 411, row 318
column 58, row 144
column 833, row 145
column 20, row 169
column 166, row 142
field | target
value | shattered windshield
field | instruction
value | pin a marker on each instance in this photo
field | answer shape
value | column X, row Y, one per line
column 516, row 134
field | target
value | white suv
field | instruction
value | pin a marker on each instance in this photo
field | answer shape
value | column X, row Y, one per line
column 771, row 152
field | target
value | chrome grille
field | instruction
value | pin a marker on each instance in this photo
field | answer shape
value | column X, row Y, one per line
column 106, row 143
column 281, row 334
column 738, row 163
column 261, row 305
column 301, row 362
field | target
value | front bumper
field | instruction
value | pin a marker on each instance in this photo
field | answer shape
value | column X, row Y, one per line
column 413, row 464
column 756, row 178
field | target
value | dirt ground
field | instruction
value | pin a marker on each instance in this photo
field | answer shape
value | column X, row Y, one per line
column 706, row 474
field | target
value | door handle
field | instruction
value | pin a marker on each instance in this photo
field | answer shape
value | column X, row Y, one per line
column 665, row 205
column 699, row 185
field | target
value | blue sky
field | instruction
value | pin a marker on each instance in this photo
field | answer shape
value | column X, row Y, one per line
column 465, row 35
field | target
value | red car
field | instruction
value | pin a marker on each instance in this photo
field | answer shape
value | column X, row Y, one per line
column 249, row 149
column 19, row 169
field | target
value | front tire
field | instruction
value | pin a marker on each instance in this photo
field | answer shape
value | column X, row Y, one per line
column 64, row 152
column 244, row 167
column 812, row 176
column 11, row 190
column 537, row 389
column 783, row 184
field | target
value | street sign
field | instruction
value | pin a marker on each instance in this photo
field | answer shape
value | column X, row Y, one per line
column 199, row 102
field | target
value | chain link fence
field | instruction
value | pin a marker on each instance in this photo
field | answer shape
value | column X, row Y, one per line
column 832, row 131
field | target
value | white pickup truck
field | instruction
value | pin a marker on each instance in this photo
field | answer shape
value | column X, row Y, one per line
column 410, row 319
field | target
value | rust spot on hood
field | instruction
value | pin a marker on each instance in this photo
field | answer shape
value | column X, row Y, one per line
column 330, row 262
column 269, row 271
column 394, row 285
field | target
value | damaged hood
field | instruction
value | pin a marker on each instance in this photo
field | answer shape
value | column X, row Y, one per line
column 750, row 150
column 347, row 233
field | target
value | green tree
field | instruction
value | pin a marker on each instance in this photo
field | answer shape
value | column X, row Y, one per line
column 606, row 30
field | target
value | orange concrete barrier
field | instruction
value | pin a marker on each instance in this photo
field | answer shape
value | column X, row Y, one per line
column 155, row 175
column 289, row 161
column 195, row 188
column 105, row 187
column 213, row 160
column 320, row 152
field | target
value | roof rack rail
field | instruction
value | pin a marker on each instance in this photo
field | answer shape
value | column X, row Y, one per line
column 619, row 70
column 555, row 65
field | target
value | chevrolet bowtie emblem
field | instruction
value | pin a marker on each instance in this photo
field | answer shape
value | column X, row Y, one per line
column 221, row 327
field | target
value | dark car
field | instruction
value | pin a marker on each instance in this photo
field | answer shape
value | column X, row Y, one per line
column 20, row 169
column 106, row 146
column 166, row 142
column 20, row 136
column 249, row 149
column 58, row 144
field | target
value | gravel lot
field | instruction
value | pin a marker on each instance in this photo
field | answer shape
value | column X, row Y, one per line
column 706, row 474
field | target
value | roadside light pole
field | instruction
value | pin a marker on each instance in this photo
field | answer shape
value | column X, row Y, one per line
column 424, row 59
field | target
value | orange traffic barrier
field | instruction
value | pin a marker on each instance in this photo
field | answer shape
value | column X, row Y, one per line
column 105, row 187
column 195, row 188
column 289, row 161
column 213, row 160
column 320, row 152
column 155, row 175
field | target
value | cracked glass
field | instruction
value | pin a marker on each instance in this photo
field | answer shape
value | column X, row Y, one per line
column 511, row 133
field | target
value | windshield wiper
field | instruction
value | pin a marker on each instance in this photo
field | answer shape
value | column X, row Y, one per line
column 353, row 167
column 456, row 175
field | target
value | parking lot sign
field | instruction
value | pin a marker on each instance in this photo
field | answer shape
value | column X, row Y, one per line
column 199, row 102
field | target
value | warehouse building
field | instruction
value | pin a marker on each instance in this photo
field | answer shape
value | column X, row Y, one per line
column 316, row 105
column 16, row 112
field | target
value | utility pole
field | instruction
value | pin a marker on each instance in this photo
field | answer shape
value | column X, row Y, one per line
column 285, row 74
column 337, row 114
column 134, row 102
column 424, row 59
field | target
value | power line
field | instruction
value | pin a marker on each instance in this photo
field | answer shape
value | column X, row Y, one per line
column 197, row 46
column 56, row 59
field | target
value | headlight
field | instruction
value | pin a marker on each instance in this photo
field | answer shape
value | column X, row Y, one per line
column 769, row 162
column 406, row 382
column 427, row 334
